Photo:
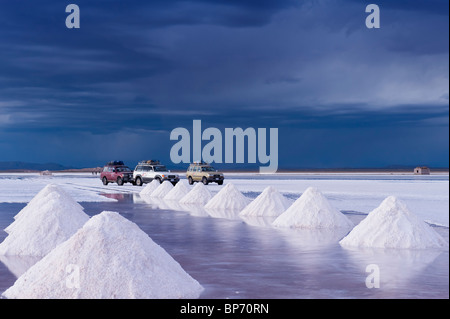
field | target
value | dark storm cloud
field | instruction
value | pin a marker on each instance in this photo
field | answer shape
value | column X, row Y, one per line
column 141, row 67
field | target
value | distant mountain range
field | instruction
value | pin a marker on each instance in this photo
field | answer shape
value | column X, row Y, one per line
column 22, row 166
column 17, row 166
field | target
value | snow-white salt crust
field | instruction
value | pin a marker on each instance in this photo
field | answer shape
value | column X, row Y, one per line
column 392, row 225
column 427, row 196
column 109, row 257
column 162, row 190
column 150, row 187
column 269, row 203
column 312, row 210
column 229, row 197
column 48, row 220
column 178, row 192
column 198, row 195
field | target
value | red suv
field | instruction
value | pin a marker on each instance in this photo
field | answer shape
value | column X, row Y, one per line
column 116, row 172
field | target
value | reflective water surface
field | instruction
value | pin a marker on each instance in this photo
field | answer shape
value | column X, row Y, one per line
column 236, row 258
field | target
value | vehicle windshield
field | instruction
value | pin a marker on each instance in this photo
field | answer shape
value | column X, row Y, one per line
column 123, row 169
column 161, row 168
column 208, row 169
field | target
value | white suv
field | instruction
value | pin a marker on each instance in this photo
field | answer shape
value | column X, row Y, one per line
column 147, row 171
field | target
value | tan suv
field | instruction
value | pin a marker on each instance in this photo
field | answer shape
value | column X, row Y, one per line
column 203, row 172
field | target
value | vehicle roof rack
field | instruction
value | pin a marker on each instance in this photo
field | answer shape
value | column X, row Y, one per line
column 151, row 162
column 112, row 163
column 199, row 163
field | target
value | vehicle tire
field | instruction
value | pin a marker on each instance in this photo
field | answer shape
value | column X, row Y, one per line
column 138, row 181
column 105, row 181
column 220, row 183
column 204, row 181
column 119, row 181
column 190, row 180
column 159, row 179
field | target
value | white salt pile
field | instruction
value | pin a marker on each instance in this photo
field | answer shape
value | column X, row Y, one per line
column 229, row 197
column 269, row 203
column 150, row 188
column 110, row 257
column 198, row 195
column 40, row 198
column 162, row 190
column 392, row 225
column 312, row 210
column 48, row 220
column 178, row 192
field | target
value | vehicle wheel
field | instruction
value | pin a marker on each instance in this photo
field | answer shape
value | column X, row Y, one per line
column 204, row 181
column 220, row 182
column 138, row 181
column 190, row 180
column 119, row 181
column 105, row 181
column 159, row 179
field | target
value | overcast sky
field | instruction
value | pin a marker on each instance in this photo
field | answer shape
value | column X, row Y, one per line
column 341, row 95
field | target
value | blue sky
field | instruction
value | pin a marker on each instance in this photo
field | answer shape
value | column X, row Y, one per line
column 340, row 94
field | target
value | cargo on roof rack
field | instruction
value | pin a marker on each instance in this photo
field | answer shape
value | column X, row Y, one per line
column 150, row 162
column 115, row 163
column 199, row 163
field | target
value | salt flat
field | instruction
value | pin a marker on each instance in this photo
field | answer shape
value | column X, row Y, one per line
column 426, row 196
column 248, row 258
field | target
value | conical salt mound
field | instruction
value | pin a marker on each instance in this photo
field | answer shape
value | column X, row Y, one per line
column 392, row 225
column 162, row 190
column 109, row 257
column 269, row 203
column 178, row 191
column 43, row 224
column 150, row 188
column 312, row 210
column 198, row 195
column 40, row 198
column 229, row 197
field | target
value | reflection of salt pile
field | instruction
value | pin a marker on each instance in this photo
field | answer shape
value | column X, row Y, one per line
column 312, row 210
column 198, row 195
column 48, row 220
column 392, row 225
column 162, row 190
column 229, row 197
column 109, row 257
column 178, row 191
column 150, row 188
column 269, row 203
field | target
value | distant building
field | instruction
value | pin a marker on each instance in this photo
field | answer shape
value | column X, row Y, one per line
column 45, row 173
column 421, row 170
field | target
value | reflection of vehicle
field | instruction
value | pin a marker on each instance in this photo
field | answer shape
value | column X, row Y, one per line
column 203, row 172
column 147, row 171
column 116, row 172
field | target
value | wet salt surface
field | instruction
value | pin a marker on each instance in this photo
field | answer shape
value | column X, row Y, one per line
column 235, row 259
